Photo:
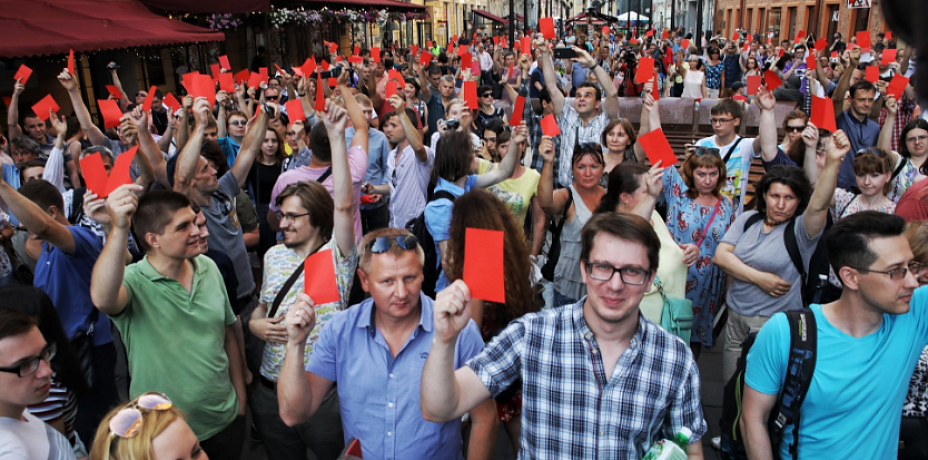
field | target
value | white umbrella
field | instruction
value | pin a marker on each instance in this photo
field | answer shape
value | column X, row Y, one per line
column 632, row 16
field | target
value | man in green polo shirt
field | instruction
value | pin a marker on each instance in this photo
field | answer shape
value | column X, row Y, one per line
column 174, row 315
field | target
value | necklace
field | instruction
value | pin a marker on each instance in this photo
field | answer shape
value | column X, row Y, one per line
column 771, row 224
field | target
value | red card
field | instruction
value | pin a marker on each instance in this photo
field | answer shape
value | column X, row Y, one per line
column 95, row 173
column 254, row 80
column 475, row 67
column 517, row 110
column 320, row 94
column 605, row 31
column 172, row 102
column 391, row 89
column 309, row 66
column 772, row 80
column 889, row 35
column 71, row 62
column 375, row 53
column 41, row 108
column 187, row 79
column 781, row 52
column 295, row 110
column 655, row 90
column 863, row 40
column 319, row 278
column 872, row 73
column 114, row 91
column 429, row 44
column 146, row 105
column 897, row 86
column 739, row 97
column 633, row 41
column 746, row 47
column 279, row 70
column 546, row 25
column 495, row 40
column 685, row 43
column 821, row 44
column 823, row 113
column 483, row 264
column 549, row 126
column 462, row 49
column 110, row 111
column 22, row 74
column 355, row 59
column 215, row 70
column 649, row 33
column 425, row 59
column 888, row 57
column 811, row 62
column 466, row 60
column 357, row 50
column 510, row 68
column 227, row 83
column 333, row 47
column 332, row 82
column 242, row 76
column 665, row 35
column 325, row 65
column 204, row 86
column 415, row 49
column 224, row 62
column 470, row 94
column 527, row 45
column 396, row 75
column 645, row 71
column 657, row 148
column 262, row 73
column 800, row 35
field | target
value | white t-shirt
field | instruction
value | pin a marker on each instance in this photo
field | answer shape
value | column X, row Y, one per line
column 737, row 168
column 32, row 439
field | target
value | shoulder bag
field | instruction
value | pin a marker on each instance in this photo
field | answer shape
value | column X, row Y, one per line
column 677, row 314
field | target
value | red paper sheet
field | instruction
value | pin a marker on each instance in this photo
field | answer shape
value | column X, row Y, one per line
column 319, row 278
column 332, row 82
column 896, row 86
column 685, row 43
column 633, row 41
column 475, row 67
column 772, row 80
column 863, row 40
column 656, row 146
column 425, row 59
column 872, row 73
column 483, row 264
column 215, row 70
column 823, row 113
column 495, row 40
column 527, row 45
column 462, row 49
column 203, row 86
column 510, row 68
column 262, row 73
column 320, row 94
column 41, row 108
column 357, row 50
column 114, row 91
column 546, row 25
column 649, row 33
column 391, row 88
column 396, row 75
column 23, row 74
column 800, row 35
column 309, row 67
column 227, row 83
column 645, row 71
column 375, row 53
column 889, row 35
column 324, row 65
column 295, row 110
column 739, row 97
column 655, row 90
column 811, row 62
column 888, row 57
column 549, row 126
column 95, row 173
column 146, row 105
column 753, row 84
column 414, row 49
column 665, row 35
column 429, row 44
column 110, row 111
column 254, row 80
column 224, row 62
column 466, row 60
column 517, row 110
column 605, row 31
column 242, row 76
column 333, row 47
column 71, row 62
column 821, row 44
column 172, row 102
column 469, row 88
column 187, row 80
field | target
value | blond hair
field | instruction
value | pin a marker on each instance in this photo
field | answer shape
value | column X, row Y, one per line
column 108, row 446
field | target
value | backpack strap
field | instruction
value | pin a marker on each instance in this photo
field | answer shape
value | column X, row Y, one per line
column 325, row 175
column 902, row 163
column 800, row 368
column 440, row 194
column 841, row 214
column 731, row 150
column 792, row 247
column 753, row 220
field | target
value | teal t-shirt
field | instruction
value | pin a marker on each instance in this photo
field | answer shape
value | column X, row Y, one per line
column 854, row 403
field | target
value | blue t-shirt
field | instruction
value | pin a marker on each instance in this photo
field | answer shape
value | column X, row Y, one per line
column 438, row 218
column 854, row 403
column 230, row 148
column 66, row 280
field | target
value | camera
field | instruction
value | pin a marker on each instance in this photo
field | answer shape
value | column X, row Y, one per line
column 453, row 124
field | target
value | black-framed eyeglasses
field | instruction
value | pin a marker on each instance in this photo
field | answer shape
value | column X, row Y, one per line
column 874, row 150
column 383, row 244
column 290, row 217
column 604, row 272
column 719, row 121
column 30, row 367
column 795, row 129
column 896, row 274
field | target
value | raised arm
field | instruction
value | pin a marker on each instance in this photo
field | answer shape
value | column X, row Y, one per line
column 149, row 158
column 12, row 114
column 335, row 119
column 886, row 132
column 508, row 165
column 817, row 212
column 412, row 133
column 845, row 81
column 611, row 104
column 114, row 74
column 69, row 83
column 552, row 204
column 299, row 393
column 54, row 167
column 356, row 115
column 106, row 288
column 766, row 140
column 424, row 86
column 34, row 218
column 251, row 144
column 655, row 183
column 547, row 70
column 188, row 158
column 810, row 139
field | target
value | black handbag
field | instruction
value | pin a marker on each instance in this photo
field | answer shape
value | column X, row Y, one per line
column 82, row 344
column 554, row 252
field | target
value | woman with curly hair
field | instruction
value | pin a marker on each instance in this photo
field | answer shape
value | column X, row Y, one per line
column 479, row 208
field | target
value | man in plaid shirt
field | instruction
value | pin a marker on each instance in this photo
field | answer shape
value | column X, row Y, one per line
column 598, row 379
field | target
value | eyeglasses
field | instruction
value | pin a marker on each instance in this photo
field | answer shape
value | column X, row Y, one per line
column 237, row 123
column 30, row 367
column 272, row 98
column 487, row 95
column 383, row 244
column 897, row 274
column 916, row 139
column 290, row 217
column 604, row 272
column 700, row 151
column 719, row 121
column 874, row 150
column 795, row 129
column 128, row 421
column 141, row 95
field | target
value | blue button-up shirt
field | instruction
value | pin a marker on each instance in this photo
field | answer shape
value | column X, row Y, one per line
column 379, row 393
column 861, row 134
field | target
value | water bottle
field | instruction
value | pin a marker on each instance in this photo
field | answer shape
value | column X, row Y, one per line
column 670, row 449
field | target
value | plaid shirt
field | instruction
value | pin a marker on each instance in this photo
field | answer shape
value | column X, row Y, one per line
column 533, row 122
column 570, row 409
column 903, row 117
column 571, row 126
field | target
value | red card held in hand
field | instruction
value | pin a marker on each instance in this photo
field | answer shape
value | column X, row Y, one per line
column 146, row 105
column 470, row 94
column 549, row 126
column 656, row 146
column 483, row 264
column 295, row 110
column 896, row 86
column 823, row 113
column 888, row 57
column 204, row 86
column 872, row 74
column 41, row 108
column 262, row 73
column 320, row 94
column 645, row 71
column 811, row 63
column 773, row 81
column 425, row 59
column 375, row 53
column 863, row 40
column 391, row 89
column 466, row 61
column 95, row 173
column 114, row 91
column 224, row 62
column 254, row 80
column 547, row 28
column 110, row 111
column 517, row 110
column 227, row 83
column 71, row 62
column 22, row 74
column 685, row 44
column 821, row 44
column 319, row 278
column 172, row 102
column 753, row 84
column 215, row 70
column 527, row 45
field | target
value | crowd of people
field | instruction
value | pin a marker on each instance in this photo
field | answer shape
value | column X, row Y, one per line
column 146, row 320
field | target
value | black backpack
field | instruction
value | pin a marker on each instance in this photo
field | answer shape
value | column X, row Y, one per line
column 417, row 227
column 801, row 366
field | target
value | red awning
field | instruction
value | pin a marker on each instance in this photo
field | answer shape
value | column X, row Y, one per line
column 388, row 4
column 211, row 6
column 491, row 17
column 43, row 27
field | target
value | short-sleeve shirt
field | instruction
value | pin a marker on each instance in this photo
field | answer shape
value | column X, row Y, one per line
column 913, row 205
column 225, row 231
column 438, row 218
column 66, row 279
column 766, row 252
column 230, row 148
column 378, row 148
column 32, row 439
column 571, row 127
column 409, row 180
column 378, row 394
column 279, row 263
column 859, row 384
column 518, row 192
column 194, row 371
column 862, row 135
column 357, row 165
column 736, row 169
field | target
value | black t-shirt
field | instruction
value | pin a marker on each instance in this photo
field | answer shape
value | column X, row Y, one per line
column 261, row 180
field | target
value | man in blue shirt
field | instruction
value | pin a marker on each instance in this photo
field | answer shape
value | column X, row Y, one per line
column 376, row 351
column 868, row 343
column 374, row 215
column 855, row 121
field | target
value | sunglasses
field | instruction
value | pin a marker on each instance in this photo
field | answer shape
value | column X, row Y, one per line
column 238, row 123
column 487, row 95
column 272, row 98
column 383, row 244
column 795, row 129
column 874, row 150
column 128, row 421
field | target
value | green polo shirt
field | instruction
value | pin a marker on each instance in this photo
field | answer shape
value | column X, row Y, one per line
column 175, row 339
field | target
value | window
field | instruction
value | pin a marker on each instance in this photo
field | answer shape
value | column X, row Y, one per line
column 791, row 17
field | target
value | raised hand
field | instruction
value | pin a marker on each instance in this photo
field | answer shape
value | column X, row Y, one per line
column 18, row 88
column 810, row 135
column 655, row 179
column 301, row 319
column 201, row 111
column 335, row 118
column 765, row 99
column 122, row 204
column 520, row 133
column 67, row 80
column 452, row 311
column 95, row 208
column 546, row 149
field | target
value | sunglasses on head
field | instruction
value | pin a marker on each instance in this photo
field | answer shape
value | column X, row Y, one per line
column 874, row 150
column 128, row 421
column 383, row 244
